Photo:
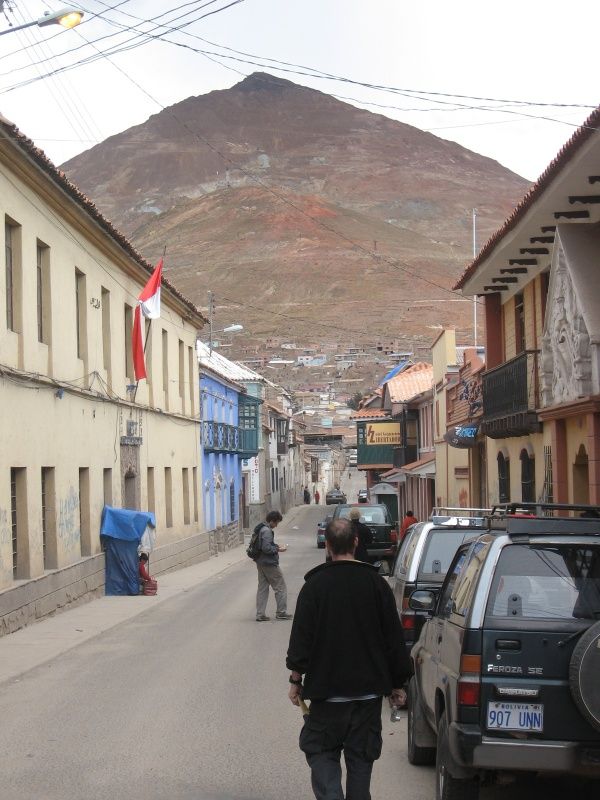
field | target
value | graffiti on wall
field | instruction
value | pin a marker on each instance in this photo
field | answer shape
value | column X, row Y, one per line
column 68, row 520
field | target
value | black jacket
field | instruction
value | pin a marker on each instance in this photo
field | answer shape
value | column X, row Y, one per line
column 346, row 637
column 365, row 538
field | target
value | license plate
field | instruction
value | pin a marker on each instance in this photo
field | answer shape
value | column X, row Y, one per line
column 515, row 716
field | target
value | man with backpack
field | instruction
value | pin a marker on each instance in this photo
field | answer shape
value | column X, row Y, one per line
column 267, row 564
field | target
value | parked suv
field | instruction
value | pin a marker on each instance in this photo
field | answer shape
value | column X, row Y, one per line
column 377, row 518
column 423, row 560
column 506, row 668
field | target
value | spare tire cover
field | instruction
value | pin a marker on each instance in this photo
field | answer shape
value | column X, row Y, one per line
column 584, row 675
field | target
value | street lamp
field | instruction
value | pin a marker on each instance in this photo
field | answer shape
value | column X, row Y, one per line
column 67, row 17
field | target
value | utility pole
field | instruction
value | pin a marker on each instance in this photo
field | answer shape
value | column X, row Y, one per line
column 211, row 303
column 474, row 296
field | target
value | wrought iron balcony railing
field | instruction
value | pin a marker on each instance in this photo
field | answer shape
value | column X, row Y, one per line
column 218, row 437
column 511, row 396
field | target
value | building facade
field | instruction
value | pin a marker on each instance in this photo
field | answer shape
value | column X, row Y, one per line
column 77, row 431
column 538, row 276
column 230, row 421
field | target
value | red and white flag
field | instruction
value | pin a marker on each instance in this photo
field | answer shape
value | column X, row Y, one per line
column 148, row 306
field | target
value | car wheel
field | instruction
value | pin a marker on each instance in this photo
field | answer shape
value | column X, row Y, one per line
column 447, row 787
column 416, row 755
column 583, row 675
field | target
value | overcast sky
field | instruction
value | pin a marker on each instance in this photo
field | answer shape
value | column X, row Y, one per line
column 530, row 50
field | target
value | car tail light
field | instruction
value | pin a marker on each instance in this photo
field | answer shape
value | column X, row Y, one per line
column 468, row 689
column 468, row 692
column 407, row 618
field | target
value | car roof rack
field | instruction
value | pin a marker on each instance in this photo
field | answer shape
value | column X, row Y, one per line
column 541, row 518
column 440, row 511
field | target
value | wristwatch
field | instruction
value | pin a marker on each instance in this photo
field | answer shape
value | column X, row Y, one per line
column 296, row 681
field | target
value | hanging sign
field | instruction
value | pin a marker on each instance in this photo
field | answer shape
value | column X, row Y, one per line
column 462, row 436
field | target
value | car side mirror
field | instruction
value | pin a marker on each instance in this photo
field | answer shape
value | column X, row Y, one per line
column 423, row 600
column 383, row 567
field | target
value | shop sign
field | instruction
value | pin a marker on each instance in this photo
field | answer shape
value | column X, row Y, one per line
column 462, row 436
column 383, row 433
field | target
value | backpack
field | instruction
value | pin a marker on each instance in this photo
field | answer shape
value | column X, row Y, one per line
column 254, row 548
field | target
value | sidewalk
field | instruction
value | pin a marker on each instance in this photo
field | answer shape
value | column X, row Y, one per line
column 38, row 643
column 41, row 642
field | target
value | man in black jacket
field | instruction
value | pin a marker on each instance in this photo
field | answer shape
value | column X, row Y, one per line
column 348, row 643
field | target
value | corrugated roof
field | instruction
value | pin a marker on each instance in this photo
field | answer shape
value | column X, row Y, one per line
column 10, row 132
column 412, row 382
column 588, row 129
column 230, row 370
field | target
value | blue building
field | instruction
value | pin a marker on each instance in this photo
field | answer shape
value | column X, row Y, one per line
column 229, row 434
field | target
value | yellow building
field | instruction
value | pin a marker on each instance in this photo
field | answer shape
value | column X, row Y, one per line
column 75, row 432
column 540, row 282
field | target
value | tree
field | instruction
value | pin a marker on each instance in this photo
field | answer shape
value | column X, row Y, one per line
column 354, row 401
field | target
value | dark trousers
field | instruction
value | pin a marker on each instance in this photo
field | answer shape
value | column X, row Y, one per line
column 353, row 727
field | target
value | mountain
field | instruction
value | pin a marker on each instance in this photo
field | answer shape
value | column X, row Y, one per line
column 279, row 197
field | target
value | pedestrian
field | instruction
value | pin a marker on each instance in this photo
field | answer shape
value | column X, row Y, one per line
column 347, row 642
column 269, row 572
column 306, row 495
column 363, row 535
column 317, row 496
column 149, row 585
column 408, row 520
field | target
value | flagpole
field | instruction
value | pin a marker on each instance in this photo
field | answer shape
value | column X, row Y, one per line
column 137, row 383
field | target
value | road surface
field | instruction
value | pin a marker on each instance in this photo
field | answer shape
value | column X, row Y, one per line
column 186, row 702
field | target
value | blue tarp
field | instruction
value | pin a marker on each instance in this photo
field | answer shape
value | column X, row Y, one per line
column 120, row 534
column 393, row 372
column 125, row 523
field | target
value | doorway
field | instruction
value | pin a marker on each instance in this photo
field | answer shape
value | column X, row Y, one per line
column 581, row 478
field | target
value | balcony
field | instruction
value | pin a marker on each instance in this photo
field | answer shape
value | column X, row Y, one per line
column 218, row 437
column 282, row 448
column 405, row 455
column 510, row 398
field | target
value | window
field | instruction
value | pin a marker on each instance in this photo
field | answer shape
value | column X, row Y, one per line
column 181, row 373
column 18, row 514
column 544, row 288
column 14, row 521
column 548, row 495
column 80, row 314
column 129, row 373
column 106, row 337
column 107, row 486
column 151, row 490
column 49, row 519
column 195, row 489
column 546, row 582
column 446, row 604
column 440, row 549
column 185, row 481
column 519, row 323
column 43, row 292
column 165, row 365
column 527, row 477
column 12, row 264
column 232, row 501
column 193, row 378
column 168, row 498
column 503, row 479
column 84, row 512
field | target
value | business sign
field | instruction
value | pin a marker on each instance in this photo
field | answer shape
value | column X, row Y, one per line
column 250, row 468
column 383, row 433
column 462, row 436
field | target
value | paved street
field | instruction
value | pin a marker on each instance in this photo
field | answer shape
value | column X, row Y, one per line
column 186, row 701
